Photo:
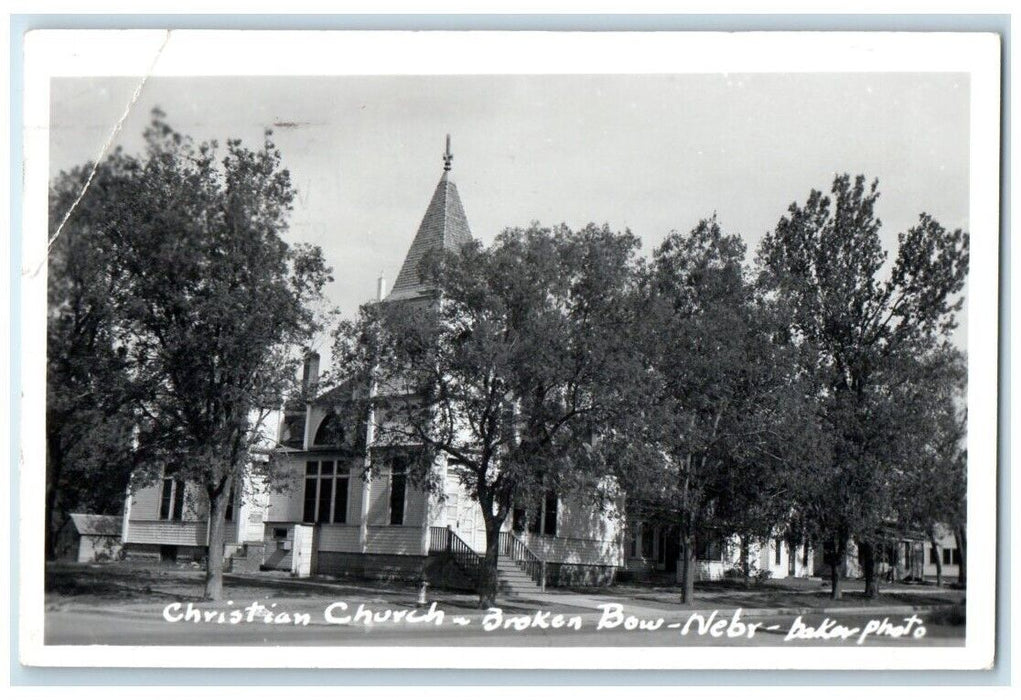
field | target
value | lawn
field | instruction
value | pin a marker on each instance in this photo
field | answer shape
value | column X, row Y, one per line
column 145, row 587
column 780, row 593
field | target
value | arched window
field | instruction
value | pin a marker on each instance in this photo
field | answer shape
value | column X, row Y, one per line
column 330, row 432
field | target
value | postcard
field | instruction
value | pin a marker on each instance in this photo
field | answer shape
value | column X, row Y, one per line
column 535, row 350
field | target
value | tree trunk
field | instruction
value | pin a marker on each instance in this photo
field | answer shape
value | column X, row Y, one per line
column 805, row 559
column 937, row 559
column 867, row 557
column 488, row 581
column 688, row 567
column 834, row 551
column 835, row 592
column 960, row 536
column 214, row 558
column 51, row 529
column 54, row 462
column 746, row 566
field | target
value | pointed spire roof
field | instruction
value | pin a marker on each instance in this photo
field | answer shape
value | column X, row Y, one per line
column 443, row 226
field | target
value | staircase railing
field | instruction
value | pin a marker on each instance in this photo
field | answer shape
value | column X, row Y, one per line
column 529, row 561
column 465, row 557
column 439, row 539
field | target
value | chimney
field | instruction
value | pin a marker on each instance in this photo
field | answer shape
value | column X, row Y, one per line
column 310, row 375
column 381, row 287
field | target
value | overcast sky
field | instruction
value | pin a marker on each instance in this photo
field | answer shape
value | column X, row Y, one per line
column 651, row 153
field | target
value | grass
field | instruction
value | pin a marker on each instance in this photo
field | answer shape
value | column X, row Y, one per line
column 779, row 593
column 150, row 585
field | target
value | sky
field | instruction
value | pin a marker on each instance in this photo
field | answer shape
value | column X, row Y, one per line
column 652, row 153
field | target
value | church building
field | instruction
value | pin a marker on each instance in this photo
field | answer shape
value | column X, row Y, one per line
column 329, row 520
column 320, row 516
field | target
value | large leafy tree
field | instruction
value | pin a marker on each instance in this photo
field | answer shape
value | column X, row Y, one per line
column 213, row 306
column 89, row 417
column 510, row 374
column 862, row 324
column 722, row 409
column 930, row 480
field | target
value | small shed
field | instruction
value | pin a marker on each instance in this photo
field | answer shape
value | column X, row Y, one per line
column 87, row 538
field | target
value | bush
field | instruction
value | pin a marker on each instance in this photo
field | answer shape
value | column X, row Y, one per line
column 754, row 575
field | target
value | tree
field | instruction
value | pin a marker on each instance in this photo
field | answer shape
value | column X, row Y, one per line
column 723, row 397
column 509, row 374
column 214, row 305
column 826, row 259
column 930, row 484
column 89, row 418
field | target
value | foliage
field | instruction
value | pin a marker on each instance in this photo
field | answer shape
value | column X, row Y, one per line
column 511, row 373
column 725, row 407
column 930, row 483
column 860, row 332
column 212, row 306
column 89, row 421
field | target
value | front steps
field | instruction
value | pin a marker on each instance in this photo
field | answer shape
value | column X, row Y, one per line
column 512, row 581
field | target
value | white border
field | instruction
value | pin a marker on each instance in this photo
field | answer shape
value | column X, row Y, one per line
column 131, row 52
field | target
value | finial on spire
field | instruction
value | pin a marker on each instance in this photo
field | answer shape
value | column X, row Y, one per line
column 448, row 157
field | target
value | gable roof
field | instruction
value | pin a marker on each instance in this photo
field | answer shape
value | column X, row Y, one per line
column 338, row 394
column 443, row 226
column 89, row 524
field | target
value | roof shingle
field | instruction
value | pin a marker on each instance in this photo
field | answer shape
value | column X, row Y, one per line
column 443, row 226
column 90, row 524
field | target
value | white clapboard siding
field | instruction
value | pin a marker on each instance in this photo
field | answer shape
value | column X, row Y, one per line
column 338, row 538
column 145, row 502
column 394, row 539
column 192, row 533
column 286, row 500
column 571, row 550
column 585, row 535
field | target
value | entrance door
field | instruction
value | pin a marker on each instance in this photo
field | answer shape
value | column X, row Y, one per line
column 469, row 519
column 450, row 508
column 303, row 549
column 461, row 517
column 672, row 547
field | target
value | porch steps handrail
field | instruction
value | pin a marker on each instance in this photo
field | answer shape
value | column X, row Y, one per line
column 532, row 564
column 439, row 539
column 464, row 556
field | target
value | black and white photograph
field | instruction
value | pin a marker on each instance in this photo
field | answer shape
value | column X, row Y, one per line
column 511, row 351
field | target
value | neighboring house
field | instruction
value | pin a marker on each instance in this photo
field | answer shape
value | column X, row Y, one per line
column 906, row 555
column 89, row 538
column 167, row 519
column 330, row 520
column 651, row 549
column 947, row 551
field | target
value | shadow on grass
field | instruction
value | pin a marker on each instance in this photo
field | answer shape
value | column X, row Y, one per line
column 131, row 581
column 785, row 593
column 318, row 586
column 110, row 585
column 786, row 599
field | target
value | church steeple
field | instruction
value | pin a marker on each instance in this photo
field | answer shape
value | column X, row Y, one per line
column 443, row 226
column 448, row 157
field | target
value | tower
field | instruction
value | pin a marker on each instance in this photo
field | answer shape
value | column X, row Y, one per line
column 444, row 226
